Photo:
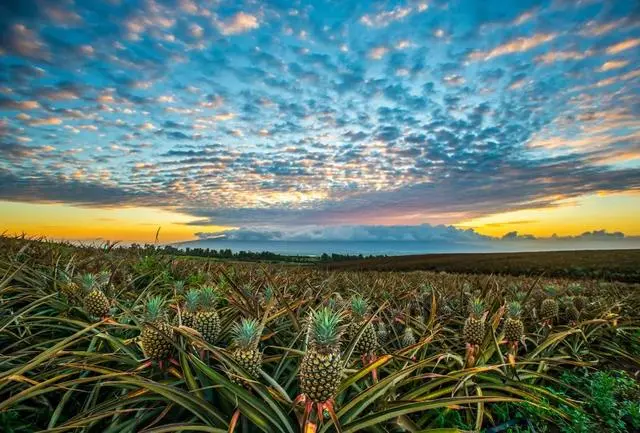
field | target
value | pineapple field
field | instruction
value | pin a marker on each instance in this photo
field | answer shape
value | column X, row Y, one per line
column 109, row 339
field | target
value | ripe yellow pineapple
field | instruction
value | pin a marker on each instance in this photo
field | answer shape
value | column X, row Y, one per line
column 246, row 336
column 549, row 308
column 207, row 321
column 321, row 368
column 96, row 302
column 156, row 333
column 513, row 326
column 473, row 332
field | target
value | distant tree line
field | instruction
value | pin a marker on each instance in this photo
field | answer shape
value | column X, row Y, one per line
column 248, row 255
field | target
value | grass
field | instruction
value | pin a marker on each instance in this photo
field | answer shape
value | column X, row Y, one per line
column 63, row 370
column 618, row 265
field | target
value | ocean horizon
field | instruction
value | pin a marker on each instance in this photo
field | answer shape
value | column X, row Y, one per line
column 398, row 248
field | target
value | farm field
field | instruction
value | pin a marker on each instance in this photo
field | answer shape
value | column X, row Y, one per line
column 619, row 265
column 116, row 340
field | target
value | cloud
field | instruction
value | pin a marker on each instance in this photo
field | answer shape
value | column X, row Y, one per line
column 239, row 23
column 428, row 237
column 613, row 64
column 518, row 45
column 378, row 53
column 623, row 46
column 383, row 19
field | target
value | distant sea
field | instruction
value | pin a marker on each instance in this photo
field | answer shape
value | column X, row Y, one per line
column 395, row 248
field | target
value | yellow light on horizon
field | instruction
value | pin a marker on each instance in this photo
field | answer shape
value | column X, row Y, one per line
column 125, row 224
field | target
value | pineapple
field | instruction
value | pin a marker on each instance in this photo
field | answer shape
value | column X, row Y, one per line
column 473, row 332
column 408, row 337
column 96, row 302
column 549, row 309
column 570, row 313
column 190, row 311
column 246, row 336
column 580, row 302
column 513, row 327
column 368, row 342
column 321, row 365
column 156, row 332
column 383, row 333
column 69, row 288
column 207, row 321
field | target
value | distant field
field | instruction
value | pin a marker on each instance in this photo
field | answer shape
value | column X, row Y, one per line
column 619, row 265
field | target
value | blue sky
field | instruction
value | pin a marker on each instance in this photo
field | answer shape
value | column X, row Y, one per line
column 301, row 113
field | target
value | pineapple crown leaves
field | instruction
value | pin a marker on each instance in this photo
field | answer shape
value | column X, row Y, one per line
column 358, row 306
column 179, row 286
column 192, row 300
column 476, row 307
column 324, row 327
column 208, row 297
column 154, row 308
column 514, row 309
column 246, row 334
column 89, row 282
column 551, row 290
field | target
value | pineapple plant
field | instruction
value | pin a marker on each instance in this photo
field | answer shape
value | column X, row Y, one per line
column 513, row 326
column 321, row 367
column 368, row 342
column 156, row 331
column 191, row 305
column 245, row 337
column 207, row 321
column 473, row 332
column 96, row 302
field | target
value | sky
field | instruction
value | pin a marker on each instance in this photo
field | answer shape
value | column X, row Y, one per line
column 202, row 117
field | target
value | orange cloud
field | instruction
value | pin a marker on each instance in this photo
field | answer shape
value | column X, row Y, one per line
column 613, row 64
column 518, row 45
column 46, row 121
column 378, row 52
column 559, row 56
column 623, row 46
column 239, row 23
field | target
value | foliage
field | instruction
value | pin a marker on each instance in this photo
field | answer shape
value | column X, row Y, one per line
column 62, row 370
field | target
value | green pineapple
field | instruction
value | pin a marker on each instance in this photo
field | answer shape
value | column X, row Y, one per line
column 579, row 300
column 321, row 368
column 156, row 333
column 513, row 326
column 474, row 329
column 69, row 288
column 570, row 312
column 368, row 342
column 383, row 333
column 96, row 302
column 408, row 337
column 246, row 336
column 191, row 305
column 207, row 321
